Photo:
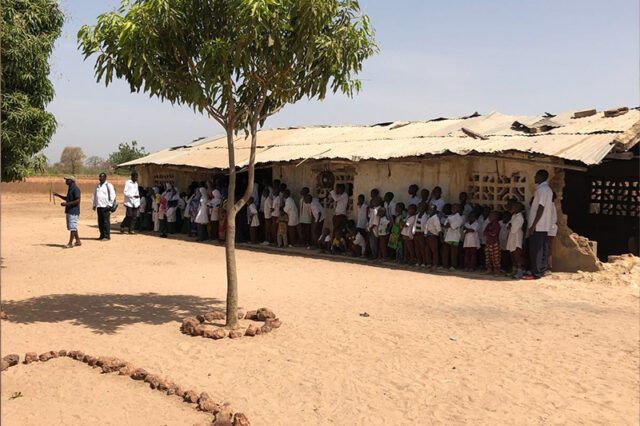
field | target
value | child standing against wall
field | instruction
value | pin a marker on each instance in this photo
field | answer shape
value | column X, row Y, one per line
column 432, row 232
column 395, row 239
column 471, row 242
column 252, row 219
column 382, row 231
column 283, row 220
column 505, row 256
column 407, row 235
column 418, row 234
column 514, row 242
column 492, row 244
column 452, row 236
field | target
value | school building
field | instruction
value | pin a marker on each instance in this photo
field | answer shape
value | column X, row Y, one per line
column 591, row 156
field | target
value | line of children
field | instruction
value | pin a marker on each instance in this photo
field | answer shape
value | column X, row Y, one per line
column 426, row 232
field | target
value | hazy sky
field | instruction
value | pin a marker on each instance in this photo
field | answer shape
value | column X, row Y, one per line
column 436, row 59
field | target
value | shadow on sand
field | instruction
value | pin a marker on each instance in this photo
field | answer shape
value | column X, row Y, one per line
column 106, row 313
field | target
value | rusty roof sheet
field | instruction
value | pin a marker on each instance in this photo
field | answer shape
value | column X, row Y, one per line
column 586, row 140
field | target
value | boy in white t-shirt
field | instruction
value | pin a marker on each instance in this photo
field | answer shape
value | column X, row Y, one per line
column 471, row 244
column 452, row 237
column 432, row 232
column 407, row 235
column 514, row 241
column 381, row 230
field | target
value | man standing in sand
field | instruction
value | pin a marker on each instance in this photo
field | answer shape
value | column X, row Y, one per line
column 540, row 221
column 131, row 202
column 104, row 197
column 71, row 206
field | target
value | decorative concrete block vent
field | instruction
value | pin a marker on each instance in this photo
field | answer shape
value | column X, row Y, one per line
column 223, row 414
column 205, row 324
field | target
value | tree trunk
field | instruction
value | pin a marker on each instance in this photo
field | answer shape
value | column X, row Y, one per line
column 230, row 239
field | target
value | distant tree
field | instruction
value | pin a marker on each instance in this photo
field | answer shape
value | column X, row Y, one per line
column 126, row 152
column 71, row 160
column 29, row 31
column 97, row 164
column 237, row 61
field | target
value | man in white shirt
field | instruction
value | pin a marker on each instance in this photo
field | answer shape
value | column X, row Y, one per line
column 131, row 202
column 104, row 197
column 540, row 222
column 341, row 199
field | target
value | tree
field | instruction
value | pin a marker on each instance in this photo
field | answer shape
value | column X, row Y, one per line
column 71, row 159
column 94, row 162
column 238, row 61
column 126, row 152
column 29, row 31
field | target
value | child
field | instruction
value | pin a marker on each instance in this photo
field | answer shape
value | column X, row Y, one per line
column 306, row 219
column 471, row 242
column 324, row 242
column 341, row 200
column 395, row 239
column 382, row 231
column 432, row 231
column 358, row 244
column 317, row 215
column 266, row 207
column 281, row 234
column 372, row 225
column 389, row 205
column 452, row 236
column 407, row 235
column 505, row 256
column 436, row 199
column 413, row 195
column 275, row 211
column 338, row 244
column 514, row 241
column 202, row 215
column 252, row 219
column 418, row 234
column 362, row 210
column 492, row 244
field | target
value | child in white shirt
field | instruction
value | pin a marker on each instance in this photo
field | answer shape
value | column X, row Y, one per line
column 381, row 229
column 407, row 235
column 514, row 241
column 471, row 242
column 432, row 231
column 452, row 237
column 252, row 219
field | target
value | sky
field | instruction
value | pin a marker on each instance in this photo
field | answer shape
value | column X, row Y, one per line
column 437, row 59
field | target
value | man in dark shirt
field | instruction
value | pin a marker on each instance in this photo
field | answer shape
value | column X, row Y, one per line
column 71, row 206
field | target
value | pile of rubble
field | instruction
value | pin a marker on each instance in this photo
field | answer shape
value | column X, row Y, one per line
column 204, row 325
column 223, row 415
column 622, row 270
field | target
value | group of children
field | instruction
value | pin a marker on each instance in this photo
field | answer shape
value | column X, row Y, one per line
column 425, row 231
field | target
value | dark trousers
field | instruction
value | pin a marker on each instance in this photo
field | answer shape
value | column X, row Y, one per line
column 538, row 253
column 104, row 224
column 202, row 232
column 470, row 258
column 292, row 234
column 316, row 231
column 431, row 250
column 450, row 255
column 419, row 248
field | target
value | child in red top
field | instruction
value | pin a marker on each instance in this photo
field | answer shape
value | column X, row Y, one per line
column 492, row 244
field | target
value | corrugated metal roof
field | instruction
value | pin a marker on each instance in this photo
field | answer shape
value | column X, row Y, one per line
column 586, row 140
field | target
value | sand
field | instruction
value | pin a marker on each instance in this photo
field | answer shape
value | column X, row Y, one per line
column 436, row 349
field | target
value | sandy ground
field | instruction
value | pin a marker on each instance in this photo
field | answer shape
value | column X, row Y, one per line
column 436, row 349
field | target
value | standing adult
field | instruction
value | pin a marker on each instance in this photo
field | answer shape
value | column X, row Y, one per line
column 104, row 197
column 131, row 202
column 540, row 223
column 71, row 206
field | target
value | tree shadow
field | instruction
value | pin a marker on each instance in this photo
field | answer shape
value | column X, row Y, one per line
column 107, row 313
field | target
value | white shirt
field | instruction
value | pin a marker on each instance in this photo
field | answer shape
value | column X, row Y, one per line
column 452, row 234
column 439, row 203
column 472, row 239
column 382, row 228
column 202, row 217
column 342, row 201
column 361, row 216
column 215, row 204
column 390, row 208
column 374, row 220
column 305, row 211
column 542, row 197
column 414, row 200
column 275, row 206
column 359, row 241
column 317, row 211
column 131, row 194
column 554, row 221
column 143, row 205
column 433, row 225
column 291, row 210
column 504, row 235
column 482, row 225
column 252, row 215
column 407, row 229
column 514, row 240
column 104, row 195
column 420, row 223
column 267, row 206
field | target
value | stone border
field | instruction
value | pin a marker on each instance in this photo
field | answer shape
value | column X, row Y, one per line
column 222, row 414
column 203, row 325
